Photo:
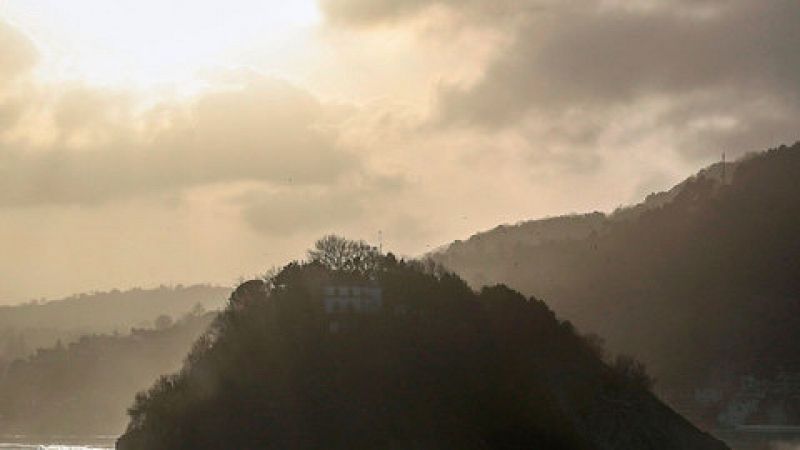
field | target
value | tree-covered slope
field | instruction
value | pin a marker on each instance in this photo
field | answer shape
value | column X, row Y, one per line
column 435, row 366
column 83, row 388
column 26, row 327
column 704, row 281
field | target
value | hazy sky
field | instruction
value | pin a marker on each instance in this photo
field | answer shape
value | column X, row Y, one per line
column 147, row 142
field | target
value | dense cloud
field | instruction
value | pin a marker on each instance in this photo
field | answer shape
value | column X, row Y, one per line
column 371, row 12
column 17, row 54
column 426, row 119
column 722, row 73
column 604, row 56
column 17, row 57
column 74, row 144
column 266, row 131
column 253, row 146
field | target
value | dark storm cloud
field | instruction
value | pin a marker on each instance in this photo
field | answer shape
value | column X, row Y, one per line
column 735, row 121
column 736, row 59
column 600, row 57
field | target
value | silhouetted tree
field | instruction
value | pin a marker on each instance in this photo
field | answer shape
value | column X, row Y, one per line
column 339, row 254
column 633, row 371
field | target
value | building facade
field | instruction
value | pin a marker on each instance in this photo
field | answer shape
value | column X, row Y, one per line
column 361, row 299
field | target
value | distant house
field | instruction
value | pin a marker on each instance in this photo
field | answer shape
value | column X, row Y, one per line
column 352, row 298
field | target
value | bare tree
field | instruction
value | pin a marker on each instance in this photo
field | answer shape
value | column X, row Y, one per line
column 340, row 254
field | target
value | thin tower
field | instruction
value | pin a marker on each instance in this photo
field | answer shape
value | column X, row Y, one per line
column 723, row 168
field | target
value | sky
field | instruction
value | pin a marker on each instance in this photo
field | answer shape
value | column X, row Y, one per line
column 148, row 142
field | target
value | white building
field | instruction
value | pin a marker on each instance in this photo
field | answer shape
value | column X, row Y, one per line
column 352, row 299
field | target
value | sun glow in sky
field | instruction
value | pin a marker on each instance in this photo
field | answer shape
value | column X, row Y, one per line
column 202, row 141
column 149, row 43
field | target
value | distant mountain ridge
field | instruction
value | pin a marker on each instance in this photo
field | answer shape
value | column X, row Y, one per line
column 649, row 277
column 577, row 226
column 83, row 388
column 26, row 327
column 116, row 308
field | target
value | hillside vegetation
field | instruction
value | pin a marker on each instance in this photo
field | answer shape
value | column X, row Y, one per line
column 435, row 366
column 700, row 282
column 27, row 327
column 83, row 388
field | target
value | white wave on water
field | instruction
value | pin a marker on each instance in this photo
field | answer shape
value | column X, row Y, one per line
column 49, row 447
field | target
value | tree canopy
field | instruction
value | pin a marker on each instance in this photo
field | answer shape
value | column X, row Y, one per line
column 344, row 255
column 439, row 366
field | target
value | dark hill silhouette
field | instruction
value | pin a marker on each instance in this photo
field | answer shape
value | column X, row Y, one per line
column 701, row 282
column 26, row 327
column 425, row 363
column 83, row 388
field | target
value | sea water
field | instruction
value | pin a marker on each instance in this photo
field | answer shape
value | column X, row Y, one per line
column 18, row 446
column 50, row 447
column 54, row 443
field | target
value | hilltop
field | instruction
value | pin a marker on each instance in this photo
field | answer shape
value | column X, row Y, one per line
column 354, row 349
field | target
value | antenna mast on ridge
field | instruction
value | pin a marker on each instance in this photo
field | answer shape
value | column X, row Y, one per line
column 723, row 168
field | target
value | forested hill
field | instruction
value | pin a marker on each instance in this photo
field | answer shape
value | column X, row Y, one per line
column 696, row 281
column 106, row 311
column 315, row 357
column 83, row 388
column 24, row 328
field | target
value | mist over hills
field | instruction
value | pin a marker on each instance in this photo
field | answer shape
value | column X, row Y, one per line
column 71, row 366
column 702, row 282
column 83, row 388
column 26, row 327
